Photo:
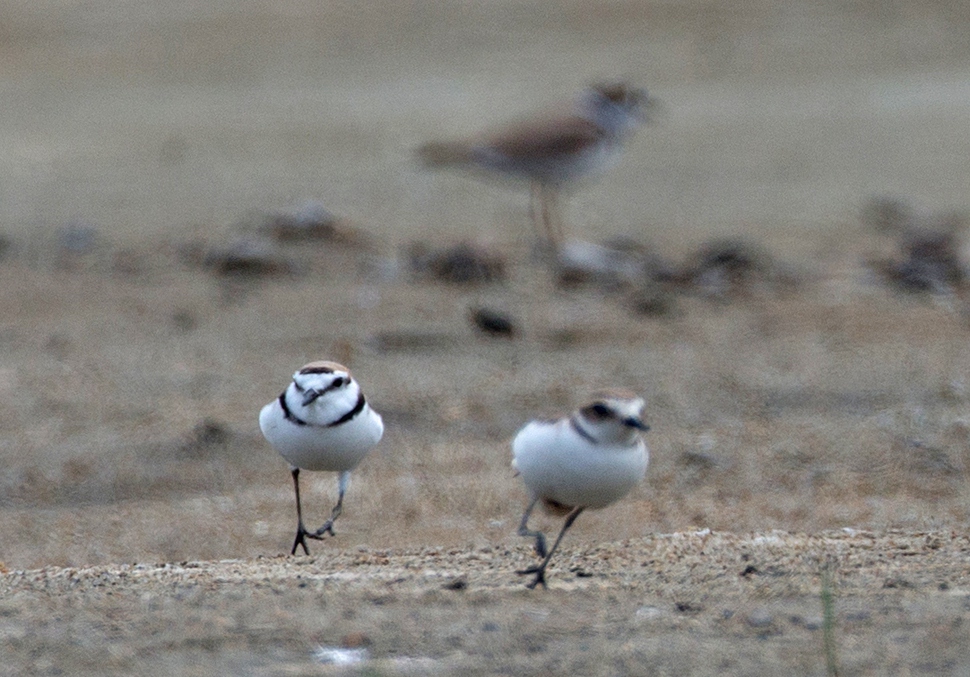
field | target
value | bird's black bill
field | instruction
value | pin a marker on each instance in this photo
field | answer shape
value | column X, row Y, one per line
column 636, row 423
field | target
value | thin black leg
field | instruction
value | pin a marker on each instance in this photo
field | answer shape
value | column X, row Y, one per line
column 524, row 530
column 301, row 532
column 553, row 218
column 540, row 570
column 535, row 215
column 546, row 215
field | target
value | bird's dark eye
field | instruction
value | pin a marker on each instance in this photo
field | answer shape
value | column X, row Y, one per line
column 338, row 382
column 601, row 410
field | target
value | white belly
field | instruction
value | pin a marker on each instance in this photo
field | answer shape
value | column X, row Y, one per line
column 309, row 447
column 558, row 465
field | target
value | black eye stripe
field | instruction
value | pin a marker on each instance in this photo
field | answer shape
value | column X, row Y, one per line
column 599, row 410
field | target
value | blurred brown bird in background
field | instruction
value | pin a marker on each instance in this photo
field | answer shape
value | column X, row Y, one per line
column 551, row 150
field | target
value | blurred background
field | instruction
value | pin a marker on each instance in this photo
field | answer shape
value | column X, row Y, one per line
column 198, row 198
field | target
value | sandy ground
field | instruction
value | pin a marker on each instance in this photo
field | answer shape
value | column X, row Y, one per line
column 688, row 603
column 810, row 420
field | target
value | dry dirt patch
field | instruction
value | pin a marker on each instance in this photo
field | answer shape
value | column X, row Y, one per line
column 689, row 603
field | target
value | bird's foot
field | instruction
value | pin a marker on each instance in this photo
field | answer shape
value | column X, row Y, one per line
column 300, row 541
column 540, row 579
column 327, row 528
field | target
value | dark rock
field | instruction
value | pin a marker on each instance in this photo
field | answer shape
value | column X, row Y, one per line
column 464, row 263
column 492, row 322
column 312, row 222
column 248, row 258
column 457, row 583
column 725, row 267
column 653, row 300
column 928, row 262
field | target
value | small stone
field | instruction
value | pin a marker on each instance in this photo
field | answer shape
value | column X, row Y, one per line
column 329, row 655
column 759, row 618
column 312, row 222
column 688, row 607
column 308, row 221
column 464, row 263
column 355, row 640
column 928, row 261
column 247, row 257
column 582, row 262
column 649, row 613
column 725, row 267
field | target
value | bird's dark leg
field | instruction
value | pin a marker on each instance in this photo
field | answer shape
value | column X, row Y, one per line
column 540, row 570
column 525, row 531
column 552, row 219
column 301, row 532
column 342, row 482
column 546, row 216
column 535, row 202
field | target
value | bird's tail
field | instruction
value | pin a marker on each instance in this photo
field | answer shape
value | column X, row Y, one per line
column 437, row 154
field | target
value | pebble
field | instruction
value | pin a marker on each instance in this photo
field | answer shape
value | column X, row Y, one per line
column 582, row 262
column 332, row 655
column 464, row 263
column 248, row 257
column 759, row 618
column 492, row 322
column 649, row 613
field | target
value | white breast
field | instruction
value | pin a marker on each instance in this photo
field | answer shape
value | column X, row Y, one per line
column 558, row 464
column 311, row 447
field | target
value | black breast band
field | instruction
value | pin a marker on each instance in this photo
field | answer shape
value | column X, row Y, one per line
column 287, row 414
column 350, row 415
column 359, row 407
column 581, row 431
